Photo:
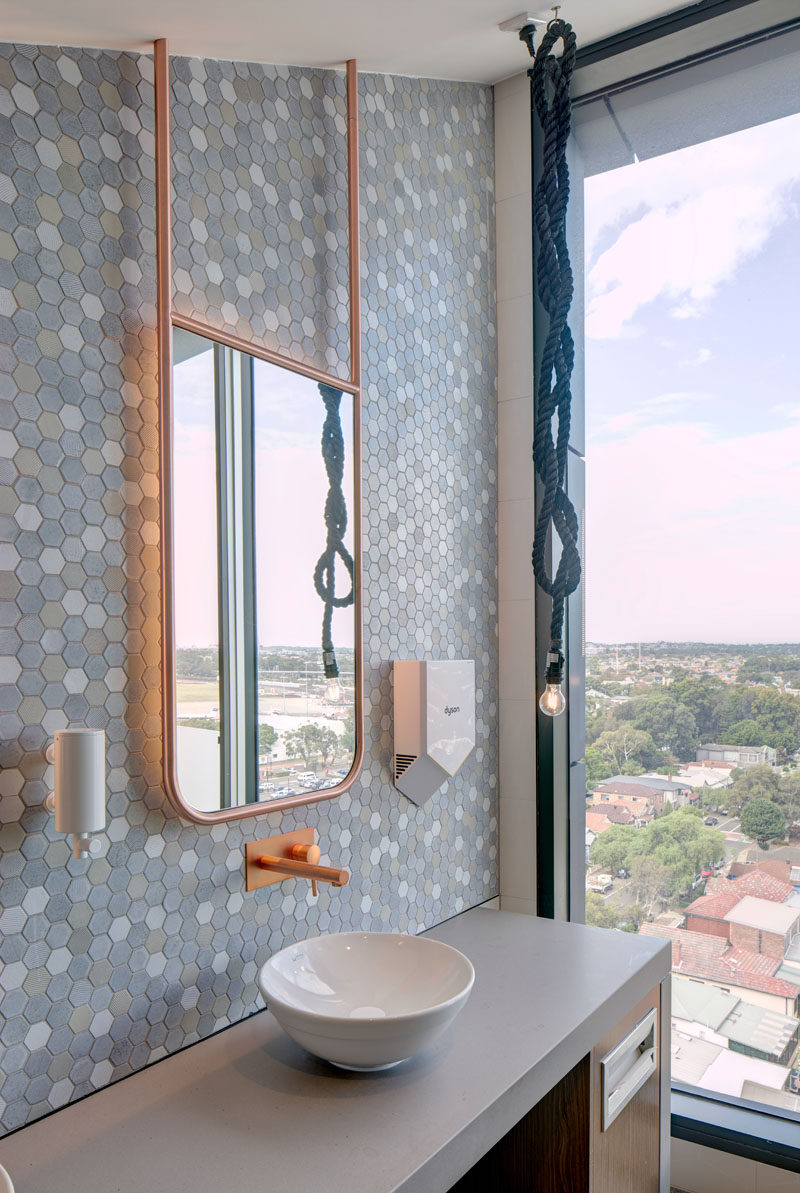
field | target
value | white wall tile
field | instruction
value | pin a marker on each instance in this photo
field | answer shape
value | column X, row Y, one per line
column 515, row 348
column 518, row 749
column 518, row 848
column 512, row 142
column 515, row 450
column 515, row 541
column 514, row 247
column 516, row 650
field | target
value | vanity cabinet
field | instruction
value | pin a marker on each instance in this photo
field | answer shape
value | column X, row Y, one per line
column 511, row 1097
column 564, row 1145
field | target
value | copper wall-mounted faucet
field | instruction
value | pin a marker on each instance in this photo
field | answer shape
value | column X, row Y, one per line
column 291, row 855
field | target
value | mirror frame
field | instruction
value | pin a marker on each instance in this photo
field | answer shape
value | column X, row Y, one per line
column 166, row 320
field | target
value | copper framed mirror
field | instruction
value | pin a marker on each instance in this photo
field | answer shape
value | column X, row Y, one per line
column 260, row 546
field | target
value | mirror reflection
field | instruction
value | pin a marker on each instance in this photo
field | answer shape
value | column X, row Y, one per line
column 262, row 500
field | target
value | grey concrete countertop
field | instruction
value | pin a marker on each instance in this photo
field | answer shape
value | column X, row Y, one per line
column 249, row 1109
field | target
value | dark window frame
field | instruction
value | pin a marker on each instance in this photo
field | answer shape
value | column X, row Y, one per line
column 768, row 1135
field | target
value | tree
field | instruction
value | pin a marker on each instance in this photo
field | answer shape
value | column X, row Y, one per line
column 310, row 741
column 745, row 733
column 599, row 912
column 788, row 799
column 266, row 738
column 651, row 880
column 616, row 749
column 615, row 847
column 671, row 726
column 763, row 820
column 680, row 842
column 754, row 782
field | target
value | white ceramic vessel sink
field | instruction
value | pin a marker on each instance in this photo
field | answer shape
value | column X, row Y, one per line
column 366, row 1000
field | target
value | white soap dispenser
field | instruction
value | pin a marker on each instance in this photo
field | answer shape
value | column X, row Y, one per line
column 78, row 797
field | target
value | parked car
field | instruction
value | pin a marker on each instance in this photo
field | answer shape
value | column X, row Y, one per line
column 706, row 873
column 623, row 873
column 711, row 820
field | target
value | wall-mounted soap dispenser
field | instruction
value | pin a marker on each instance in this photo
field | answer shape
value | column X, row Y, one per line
column 434, row 722
column 78, row 797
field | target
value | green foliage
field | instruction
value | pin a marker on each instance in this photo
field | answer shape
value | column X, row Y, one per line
column 309, row 742
column 763, row 820
column 745, row 733
column 651, row 880
column 622, row 751
column 696, row 709
column 600, row 913
column 266, row 738
column 199, row 723
column 753, row 782
column 672, row 726
column 615, row 847
column 680, row 842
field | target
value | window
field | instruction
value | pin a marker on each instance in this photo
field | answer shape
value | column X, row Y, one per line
column 692, row 518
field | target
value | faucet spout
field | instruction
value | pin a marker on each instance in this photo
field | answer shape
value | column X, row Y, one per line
column 300, row 865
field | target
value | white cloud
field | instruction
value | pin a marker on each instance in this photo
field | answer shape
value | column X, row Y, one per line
column 649, row 410
column 680, row 225
column 701, row 357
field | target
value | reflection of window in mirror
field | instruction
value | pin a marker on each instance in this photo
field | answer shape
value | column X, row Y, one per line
column 256, row 717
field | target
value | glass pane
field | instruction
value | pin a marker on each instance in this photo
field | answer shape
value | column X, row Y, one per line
column 693, row 653
column 195, row 577
column 261, row 711
column 306, row 723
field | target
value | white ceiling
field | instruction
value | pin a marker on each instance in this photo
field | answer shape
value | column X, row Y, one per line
column 448, row 39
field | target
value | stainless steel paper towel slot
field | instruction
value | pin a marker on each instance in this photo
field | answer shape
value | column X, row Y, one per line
column 624, row 1070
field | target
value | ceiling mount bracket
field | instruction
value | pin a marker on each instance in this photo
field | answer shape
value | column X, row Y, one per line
column 514, row 24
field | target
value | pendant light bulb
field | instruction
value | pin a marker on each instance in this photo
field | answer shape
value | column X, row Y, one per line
column 333, row 691
column 552, row 701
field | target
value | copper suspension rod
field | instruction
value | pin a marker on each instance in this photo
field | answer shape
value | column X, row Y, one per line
column 353, row 220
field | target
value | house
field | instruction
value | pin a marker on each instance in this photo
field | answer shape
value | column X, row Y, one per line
column 753, row 976
column 711, row 1014
column 707, row 775
column 714, row 1067
column 740, row 756
column 763, row 926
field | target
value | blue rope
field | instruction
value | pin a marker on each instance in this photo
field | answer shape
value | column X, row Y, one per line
column 335, row 524
column 550, row 81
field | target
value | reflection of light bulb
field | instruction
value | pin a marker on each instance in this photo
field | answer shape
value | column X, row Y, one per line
column 552, row 701
column 333, row 691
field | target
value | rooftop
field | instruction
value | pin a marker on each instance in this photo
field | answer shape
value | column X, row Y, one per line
column 761, row 913
column 714, row 907
column 755, row 883
column 699, row 1002
column 710, row 1066
column 654, row 782
column 755, row 1027
column 728, row 1015
column 710, row 957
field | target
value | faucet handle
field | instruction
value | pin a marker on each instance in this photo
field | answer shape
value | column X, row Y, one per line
column 307, row 853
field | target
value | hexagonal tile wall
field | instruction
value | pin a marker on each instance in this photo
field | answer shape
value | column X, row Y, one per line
column 110, row 964
column 259, row 207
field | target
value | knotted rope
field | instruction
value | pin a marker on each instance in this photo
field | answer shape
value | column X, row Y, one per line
column 335, row 524
column 550, row 80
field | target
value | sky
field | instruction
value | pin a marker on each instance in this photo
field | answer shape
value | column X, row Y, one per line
column 291, row 487
column 693, row 393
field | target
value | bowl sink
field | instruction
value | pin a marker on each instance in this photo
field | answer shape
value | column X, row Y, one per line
column 366, row 1000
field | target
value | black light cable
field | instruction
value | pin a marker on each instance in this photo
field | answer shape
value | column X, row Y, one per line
column 550, row 81
column 336, row 525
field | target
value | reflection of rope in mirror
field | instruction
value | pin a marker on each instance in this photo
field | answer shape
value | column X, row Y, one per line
column 335, row 524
